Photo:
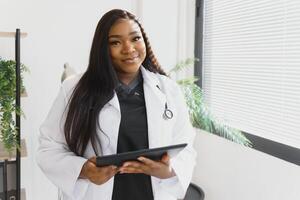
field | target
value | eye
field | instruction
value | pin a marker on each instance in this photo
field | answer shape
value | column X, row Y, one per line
column 114, row 43
column 136, row 38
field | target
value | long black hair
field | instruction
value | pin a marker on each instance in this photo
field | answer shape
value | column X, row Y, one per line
column 97, row 84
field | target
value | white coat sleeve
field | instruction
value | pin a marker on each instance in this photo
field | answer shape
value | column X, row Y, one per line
column 183, row 163
column 59, row 164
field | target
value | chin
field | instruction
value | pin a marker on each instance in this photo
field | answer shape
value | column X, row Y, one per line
column 131, row 67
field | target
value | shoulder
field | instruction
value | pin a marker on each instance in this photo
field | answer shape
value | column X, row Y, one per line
column 70, row 83
column 159, row 79
column 168, row 85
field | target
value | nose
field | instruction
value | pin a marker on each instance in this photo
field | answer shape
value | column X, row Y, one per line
column 128, row 47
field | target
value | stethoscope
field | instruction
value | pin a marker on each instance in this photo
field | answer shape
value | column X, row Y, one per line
column 168, row 114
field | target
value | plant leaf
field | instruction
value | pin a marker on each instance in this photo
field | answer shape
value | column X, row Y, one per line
column 200, row 115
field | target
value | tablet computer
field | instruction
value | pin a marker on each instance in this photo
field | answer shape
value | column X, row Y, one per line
column 153, row 154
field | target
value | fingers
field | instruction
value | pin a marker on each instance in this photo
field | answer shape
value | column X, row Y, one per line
column 147, row 161
column 132, row 170
column 109, row 172
column 160, row 169
column 146, row 166
column 100, row 175
column 134, row 167
column 165, row 159
column 93, row 159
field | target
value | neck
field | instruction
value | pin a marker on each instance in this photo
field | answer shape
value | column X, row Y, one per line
column 127, row 78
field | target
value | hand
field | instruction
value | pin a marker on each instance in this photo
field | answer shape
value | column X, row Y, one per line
column 160, row 169
column 97, row 175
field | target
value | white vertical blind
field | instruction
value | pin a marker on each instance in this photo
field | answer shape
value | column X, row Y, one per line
column 251, row 66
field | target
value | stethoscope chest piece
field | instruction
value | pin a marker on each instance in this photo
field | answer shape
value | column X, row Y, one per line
column 168, row 114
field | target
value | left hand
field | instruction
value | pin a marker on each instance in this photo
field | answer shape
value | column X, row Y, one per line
column 160, row 169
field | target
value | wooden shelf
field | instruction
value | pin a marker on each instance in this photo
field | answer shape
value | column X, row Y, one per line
column 4, row 155
column 11, row 34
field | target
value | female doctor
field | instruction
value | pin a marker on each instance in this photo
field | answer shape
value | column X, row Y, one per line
column 123, row 102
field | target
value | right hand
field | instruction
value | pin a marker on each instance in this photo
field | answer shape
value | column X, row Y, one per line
column 97, row 175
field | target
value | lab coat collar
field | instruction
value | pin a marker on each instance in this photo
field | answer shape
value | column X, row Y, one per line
column 149, row 77
column 151, row 82
column 155, row 100
column 115, row 102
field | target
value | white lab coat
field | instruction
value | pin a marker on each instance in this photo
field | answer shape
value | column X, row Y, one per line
column 63, row 167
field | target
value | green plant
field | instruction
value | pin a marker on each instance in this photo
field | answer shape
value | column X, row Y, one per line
column 199, row 113
column 8, row 107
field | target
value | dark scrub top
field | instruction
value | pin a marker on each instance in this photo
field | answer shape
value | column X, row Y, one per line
column 133, row 135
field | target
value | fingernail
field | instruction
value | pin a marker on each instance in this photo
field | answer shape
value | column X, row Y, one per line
column 126, row 165
column 140, row 158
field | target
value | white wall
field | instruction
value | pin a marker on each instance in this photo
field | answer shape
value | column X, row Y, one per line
column 228, row 171
column 61, row 31
column 170, row 25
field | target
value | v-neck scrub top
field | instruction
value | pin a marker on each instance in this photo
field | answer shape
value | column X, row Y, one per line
column 133, row 135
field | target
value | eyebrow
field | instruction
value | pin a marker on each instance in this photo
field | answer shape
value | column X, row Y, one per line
column 120, row 36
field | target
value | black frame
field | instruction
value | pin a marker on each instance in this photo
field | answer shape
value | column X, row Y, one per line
column 198, row 41
column 18, row 104
column 3, row 185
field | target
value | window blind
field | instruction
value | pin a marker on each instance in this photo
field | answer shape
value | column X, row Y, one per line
column 251, row 66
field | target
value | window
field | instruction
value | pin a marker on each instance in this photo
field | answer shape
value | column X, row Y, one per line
column 251, row 66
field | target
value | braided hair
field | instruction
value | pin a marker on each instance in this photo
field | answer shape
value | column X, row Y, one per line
column 150, row 61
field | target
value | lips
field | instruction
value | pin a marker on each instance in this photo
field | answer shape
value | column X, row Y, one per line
column 132, row 59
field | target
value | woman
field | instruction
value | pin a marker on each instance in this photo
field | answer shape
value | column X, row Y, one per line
column 117, row 105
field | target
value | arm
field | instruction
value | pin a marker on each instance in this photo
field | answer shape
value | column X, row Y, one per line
column 183, row 164
column 59, row 164
column 72, row 174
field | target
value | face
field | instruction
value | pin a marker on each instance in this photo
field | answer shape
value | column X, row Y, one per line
column 127, row 47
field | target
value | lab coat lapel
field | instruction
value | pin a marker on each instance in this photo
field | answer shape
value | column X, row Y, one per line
column 109, row 115
column 155, row 103
column 115, row 102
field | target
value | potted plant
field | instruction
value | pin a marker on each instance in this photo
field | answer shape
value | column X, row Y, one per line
column 8, row 130
column 199, row 113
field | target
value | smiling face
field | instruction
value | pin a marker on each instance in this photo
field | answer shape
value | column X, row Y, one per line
column 127, row 49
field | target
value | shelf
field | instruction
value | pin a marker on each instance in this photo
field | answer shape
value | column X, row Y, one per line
column 23, row 194
column 17, row 152
column 4, row 155
column 11, row 34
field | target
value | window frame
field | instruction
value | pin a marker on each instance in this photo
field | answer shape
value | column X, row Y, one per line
column 273, row 148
